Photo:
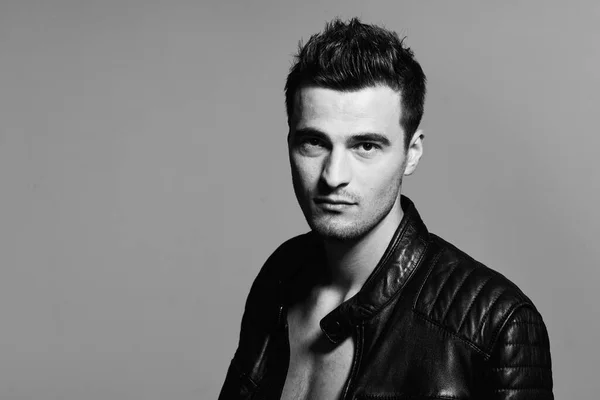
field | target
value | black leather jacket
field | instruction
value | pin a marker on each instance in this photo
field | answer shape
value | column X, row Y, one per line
column 429, row 323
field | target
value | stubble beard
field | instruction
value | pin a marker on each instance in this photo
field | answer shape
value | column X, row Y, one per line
column 330, row 229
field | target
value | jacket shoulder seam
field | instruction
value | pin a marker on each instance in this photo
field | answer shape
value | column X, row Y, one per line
column 466, row 341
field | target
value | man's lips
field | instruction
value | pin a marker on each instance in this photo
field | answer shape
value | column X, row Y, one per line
column 333, row 201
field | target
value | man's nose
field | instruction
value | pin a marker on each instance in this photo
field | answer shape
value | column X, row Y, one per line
column 336, row 170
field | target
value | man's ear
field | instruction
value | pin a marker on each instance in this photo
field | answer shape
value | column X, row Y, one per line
column 414, row 153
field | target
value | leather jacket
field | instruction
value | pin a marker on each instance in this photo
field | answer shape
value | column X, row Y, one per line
column 430, row 322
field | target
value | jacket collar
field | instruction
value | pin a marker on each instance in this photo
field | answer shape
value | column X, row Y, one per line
column 402, row 256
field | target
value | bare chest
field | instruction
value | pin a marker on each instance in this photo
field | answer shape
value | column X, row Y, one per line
column 317, row 368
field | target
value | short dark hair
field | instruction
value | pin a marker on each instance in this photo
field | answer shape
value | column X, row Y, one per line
column 350, row 56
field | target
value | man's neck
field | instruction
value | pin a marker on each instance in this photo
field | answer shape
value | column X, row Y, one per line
column 349, row 264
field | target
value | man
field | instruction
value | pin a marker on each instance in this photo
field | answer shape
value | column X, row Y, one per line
column 369, row 304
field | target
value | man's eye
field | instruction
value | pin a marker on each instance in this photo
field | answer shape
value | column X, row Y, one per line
column 367, row 147
column 312, row 142
column 311, row 146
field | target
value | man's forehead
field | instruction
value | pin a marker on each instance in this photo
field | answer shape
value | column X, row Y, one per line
column 374, row 105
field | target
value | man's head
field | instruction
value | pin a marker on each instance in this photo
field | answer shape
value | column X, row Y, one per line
column 354, row 101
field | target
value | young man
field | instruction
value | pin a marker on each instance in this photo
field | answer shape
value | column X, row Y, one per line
column 369, row 304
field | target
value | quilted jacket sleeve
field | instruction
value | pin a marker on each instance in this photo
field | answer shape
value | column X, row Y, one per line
column 520, row 366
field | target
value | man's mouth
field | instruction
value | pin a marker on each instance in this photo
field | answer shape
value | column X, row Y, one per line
column 333, row 201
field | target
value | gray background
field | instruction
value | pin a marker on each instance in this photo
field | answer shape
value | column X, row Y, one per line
column 144, row 176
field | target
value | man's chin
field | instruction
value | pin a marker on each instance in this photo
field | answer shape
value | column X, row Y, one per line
column 337, row 232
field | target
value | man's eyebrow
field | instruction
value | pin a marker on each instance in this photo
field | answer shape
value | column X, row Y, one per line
column 308, row 132
column 371, row 137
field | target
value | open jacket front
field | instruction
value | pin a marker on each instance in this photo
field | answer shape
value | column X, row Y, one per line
column 429, row 323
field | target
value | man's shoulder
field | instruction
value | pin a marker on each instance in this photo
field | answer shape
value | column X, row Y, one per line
column 280, row 267
column 288, row 257
column 467, row 298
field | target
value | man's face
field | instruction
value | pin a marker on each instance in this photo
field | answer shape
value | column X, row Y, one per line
column 347, row 157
